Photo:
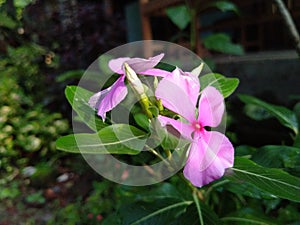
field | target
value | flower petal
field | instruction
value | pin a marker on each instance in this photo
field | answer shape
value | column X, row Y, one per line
column 140, row 65
column 184, row 129
column 208, row 158
column 156, row 72
column 188, row 82
column 175, row 98
column 107, row 99
column 116, row 64
column 211, row 107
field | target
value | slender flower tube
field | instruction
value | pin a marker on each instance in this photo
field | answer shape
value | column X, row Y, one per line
column 210, row 152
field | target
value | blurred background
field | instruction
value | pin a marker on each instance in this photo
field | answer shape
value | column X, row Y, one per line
column 46, row 45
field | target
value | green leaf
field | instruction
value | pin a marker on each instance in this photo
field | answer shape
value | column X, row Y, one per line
column 256, row 112
column 163, row 191
column 285, row 116
column 248, row 189
column 142, row 120
column 248, row 216
column 114, row 139
column 22, row 3
column 274, row 181
column 78, row 98
column 180, row 15
column 71, row 74
column 225, row 6
column 6, row 21
column 221, row 43
column 225, row 85
column 277, row 156
column 160, row 212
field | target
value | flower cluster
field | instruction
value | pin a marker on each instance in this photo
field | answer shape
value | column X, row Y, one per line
column 210, row 152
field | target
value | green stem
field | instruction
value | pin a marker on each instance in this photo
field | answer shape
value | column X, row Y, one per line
column 196, row 200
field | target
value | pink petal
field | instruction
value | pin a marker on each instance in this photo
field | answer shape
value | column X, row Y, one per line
column 175, row 98
column 184, row 129
column 107, row 99
column 140, row 65
column 116, row 64
column 156, row 72
column 188, row 82
column 211, row 107
column 208, row 158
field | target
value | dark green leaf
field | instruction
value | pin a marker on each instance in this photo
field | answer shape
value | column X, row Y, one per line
column 248, row 189
column 221, row 43
column 248, row 216
column 164, row 191
column 285, row 116
column 225, row 85
column 190, row 217
column 71, row 74
column 225, row 6
column 142, row 120
column 277, row 156
column 160, row 212
column 78, row 98
column 6, row 21
column 274, row 181
column 114, row 139
column 256, row 112
column 179, row 15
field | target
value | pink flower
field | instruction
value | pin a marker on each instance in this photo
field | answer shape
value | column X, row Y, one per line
column 210, row 152
column 99, row 217
column 107, row 99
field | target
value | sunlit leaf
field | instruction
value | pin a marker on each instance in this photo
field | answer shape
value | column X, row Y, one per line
column 224, row 84
column 78, row 98
column 114, row 139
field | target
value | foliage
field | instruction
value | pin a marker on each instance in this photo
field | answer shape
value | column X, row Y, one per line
column 183, row 15
column 26, row 128
column 98, row 206
column 260, row 189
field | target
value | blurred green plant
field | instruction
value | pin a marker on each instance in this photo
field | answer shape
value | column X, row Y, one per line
column 27, row 130
column 188, row 14
column 96, row 208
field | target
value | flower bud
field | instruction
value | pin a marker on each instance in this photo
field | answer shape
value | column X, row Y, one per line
column 133, row 80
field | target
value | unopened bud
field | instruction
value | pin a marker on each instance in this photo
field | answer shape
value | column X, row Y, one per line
column 133, row 79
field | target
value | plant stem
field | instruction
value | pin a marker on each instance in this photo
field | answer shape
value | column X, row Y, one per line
column 196, row 200
column 289, row 24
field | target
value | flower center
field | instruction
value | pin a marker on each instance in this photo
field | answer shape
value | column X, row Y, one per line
column 197, row 126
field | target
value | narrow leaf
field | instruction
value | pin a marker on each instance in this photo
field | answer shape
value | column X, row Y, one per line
column 274, row 181
column 225, row 85
column 78, row 98
column 285, row 116
column 114, row 139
